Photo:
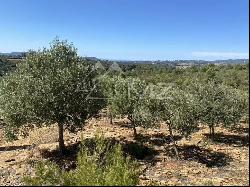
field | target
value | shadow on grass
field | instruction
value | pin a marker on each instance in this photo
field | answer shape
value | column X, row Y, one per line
column 230, row 139
column 240, row 130
column 68, row 160
column 13, row 148
column 157, row 139
column 201, row 155
column 124, row 124
column 139, row 151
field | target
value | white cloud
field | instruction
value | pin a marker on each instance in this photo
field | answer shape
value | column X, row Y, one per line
column 221, row 54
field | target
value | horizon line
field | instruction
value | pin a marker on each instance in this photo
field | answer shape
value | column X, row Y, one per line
column 131, row 60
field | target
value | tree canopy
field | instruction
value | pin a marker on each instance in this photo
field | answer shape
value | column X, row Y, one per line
column 51, row 86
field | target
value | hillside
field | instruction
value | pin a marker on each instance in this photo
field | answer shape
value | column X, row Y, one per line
column 180, row 126
column 202, row 163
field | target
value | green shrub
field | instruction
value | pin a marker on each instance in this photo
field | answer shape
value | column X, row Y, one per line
column 98, row 163
column 47, row 173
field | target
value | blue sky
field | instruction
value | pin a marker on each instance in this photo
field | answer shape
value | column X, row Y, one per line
column 130, row 29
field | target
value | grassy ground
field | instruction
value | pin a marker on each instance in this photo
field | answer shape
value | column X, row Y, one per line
column 224, row 162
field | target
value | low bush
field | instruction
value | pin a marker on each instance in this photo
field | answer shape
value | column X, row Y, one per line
column 98, row 163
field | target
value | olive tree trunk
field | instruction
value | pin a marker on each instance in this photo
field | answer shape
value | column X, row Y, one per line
column 172, row 140
column 211, row 131
column 133, row 125
column 110, row 116
column 111, row 119
column 60, row 138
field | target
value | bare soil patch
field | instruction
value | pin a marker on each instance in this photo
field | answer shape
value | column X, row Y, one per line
column 224, row 162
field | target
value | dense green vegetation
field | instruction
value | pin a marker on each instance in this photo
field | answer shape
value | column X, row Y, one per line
column 6, row 66
column 235, row 75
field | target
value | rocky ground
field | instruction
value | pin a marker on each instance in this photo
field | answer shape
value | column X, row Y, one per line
column 224, row 162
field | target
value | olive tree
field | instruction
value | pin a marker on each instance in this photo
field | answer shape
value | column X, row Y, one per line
column 107, row 85
column 219, row 104
column 127, row 97
column 51, row 86
column 177, row 108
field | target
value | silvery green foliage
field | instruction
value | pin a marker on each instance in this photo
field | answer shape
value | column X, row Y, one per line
column 219, row 104
column 129, row 97
column 245, row 101
column 107, row 85
column 177, row 108
column 52, row 85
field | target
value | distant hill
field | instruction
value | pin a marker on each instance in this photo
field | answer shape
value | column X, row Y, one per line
column 160, row 62
column 14, row 54
column 229, row 61
column 92, row 58
column 233, row 61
